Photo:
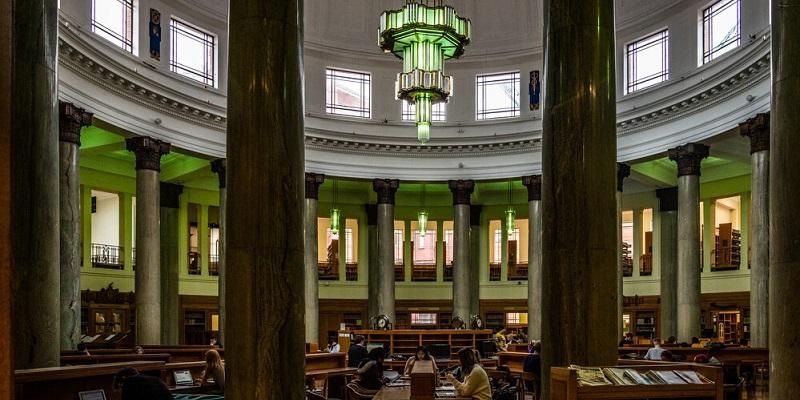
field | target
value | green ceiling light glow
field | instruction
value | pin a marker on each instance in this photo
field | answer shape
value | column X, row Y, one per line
column 335, row 212
column 423, row 34
column 422, row 218
column 510, row 223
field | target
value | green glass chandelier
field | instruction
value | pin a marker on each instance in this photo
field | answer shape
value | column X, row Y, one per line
column 335, row 212
column 424, row 33
column 511, row 214
column 422, row 216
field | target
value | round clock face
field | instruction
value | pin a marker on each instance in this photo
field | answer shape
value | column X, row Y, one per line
column 382, row 322
column 479, row 323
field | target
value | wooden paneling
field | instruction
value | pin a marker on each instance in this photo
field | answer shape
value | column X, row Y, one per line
column 6, row 290
column 64, row 383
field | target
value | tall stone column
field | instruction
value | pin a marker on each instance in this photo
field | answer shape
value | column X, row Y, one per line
column 264, row 299
column 784, row 190
column 462, row 295
column 6, row 266
column 668, row 249
column 579, row 248
column 757, row 129
column 311, row 257
column 373, row 269
column 534, row 185
column 688, row 157
column 623, row 171
column 71, row 120
column 148, row 236
column 219, row 167
column 34, row 181
column 475, row 260
column 386, row 189
column 169, row 260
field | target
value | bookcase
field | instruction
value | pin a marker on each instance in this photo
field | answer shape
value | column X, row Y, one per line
column 727, row 254
column 627, row 259
column 405, row 341
column 646, row 259
column 564, row 385
column 645, row 326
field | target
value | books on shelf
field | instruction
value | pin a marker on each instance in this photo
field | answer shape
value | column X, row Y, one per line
column 587, row 376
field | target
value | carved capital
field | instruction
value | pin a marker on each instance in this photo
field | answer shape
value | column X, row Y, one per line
column 689, row 157
column 757, row 129
column 385, row 188
column 148, row 151
column 220, row 167
column 313, row 181
column 70, row 121
column 372, row 214
column 475, row 214
column 667, row 199
column 171, row 195
column 462, row 190
column 534, row 185
column 623, row 171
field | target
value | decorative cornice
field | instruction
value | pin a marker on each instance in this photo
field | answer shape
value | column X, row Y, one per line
column 475, row 214
column 70, row 121
column 313, row 181
column 667, row 199
column 534, row 185
column 171, row 195
column 462, row 191
column 757, row 129
column 220, row 167
column 689, row 157
column 429, row 150
column 623, row 171
column 148, row 151
column 386, row 189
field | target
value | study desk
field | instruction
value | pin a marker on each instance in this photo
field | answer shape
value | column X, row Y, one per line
column 404, row 393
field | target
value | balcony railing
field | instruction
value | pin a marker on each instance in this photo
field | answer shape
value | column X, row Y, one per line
column 494, row 271
column 213, row 265
column 646, row 265
column 194, row 263
column 518, row 272
column 399, row 271
column 423, row 272
column 107, row 256
column 725, row 258
column 351, row 271
column 328, row 271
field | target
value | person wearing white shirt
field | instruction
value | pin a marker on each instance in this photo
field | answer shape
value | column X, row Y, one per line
column 333, row 346
column 654, row 353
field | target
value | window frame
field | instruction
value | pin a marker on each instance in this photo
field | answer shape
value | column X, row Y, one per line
column 633, row 87
column 202, row 35
column 122, row 42
column 485, row 115
column 424, row 247
column 426, row 321
column 705, row 31
column 331, row 108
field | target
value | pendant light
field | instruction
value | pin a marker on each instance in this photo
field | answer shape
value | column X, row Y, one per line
column 511, row 214
column 335, row 212
column 422, row 216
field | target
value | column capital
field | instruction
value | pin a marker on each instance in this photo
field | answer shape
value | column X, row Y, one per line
column 462, row 190
column 475, row 214
column 386, row 188
column 667, row 199
column 534, row 185
column 372, row 214
column 623, row 171
column 220, row 167
column 171, row 195
column 70, row 121
column 689, row 156
column 757, row 129
column 313, row 181
column 148, row 151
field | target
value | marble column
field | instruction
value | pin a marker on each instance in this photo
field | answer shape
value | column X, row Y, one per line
column 534, row 185
column 34, row 173
column 579, row 247
column 148, row 153
column 169, row 260
column 475, row 260
column 219, row 167
column 668, row 250
column 757, row 129
column 71, row 120
column 6, row 266
column 623, row 171
column 373, row 270
column 264, row 299
column 462, row 295
column 311, row 257
column 688, row 157
column 386, row 189
column 784, row 191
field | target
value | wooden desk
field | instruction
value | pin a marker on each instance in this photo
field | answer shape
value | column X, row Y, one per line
column 730, row 355
column 113, row 358
column 514, row 361
column 64, row 383
column 402, row 393
column 330, row 368
column 399, row 365
column 316, row 361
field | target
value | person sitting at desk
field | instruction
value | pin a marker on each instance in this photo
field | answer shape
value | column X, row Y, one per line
column 500, row 340
column 357, row 352
column 215, row 369
column 476, row 382
column 654, row 353
column 421, row 354
column 137, row 387
column 370, row 372
column 333, row 346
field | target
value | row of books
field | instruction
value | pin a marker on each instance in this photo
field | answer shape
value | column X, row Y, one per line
column 626, row 376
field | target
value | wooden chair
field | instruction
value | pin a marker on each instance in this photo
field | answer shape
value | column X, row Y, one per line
column 312, row 395
column 535, row 382
column 733, row 391
column 355, row 392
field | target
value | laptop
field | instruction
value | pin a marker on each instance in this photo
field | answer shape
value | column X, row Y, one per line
column 183, row 378
column 92, row 395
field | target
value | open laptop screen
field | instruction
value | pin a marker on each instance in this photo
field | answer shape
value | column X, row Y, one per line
column 183, row 378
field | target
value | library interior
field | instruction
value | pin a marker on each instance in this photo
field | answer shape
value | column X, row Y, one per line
column 399, row 199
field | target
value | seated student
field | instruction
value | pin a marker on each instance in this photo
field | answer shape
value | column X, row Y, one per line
column 370, row 371
column 627, row 340
column 137, row 387
column 671, row 341
column 696, row 343
column 357, row 352
column 138, row 350
column 421, row 354
column 666, row 356
column 215, row 369
column 476, row 382
column 533, row 361
column 333, row 346
column 655, row 352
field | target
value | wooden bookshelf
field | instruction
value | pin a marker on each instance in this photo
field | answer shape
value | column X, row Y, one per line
column 405, row 341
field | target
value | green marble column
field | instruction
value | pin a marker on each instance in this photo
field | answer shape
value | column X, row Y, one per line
column 372, row 270
column 219, row 167
column 386, row 189
column 6, row 266
column 534, row 185
column 475, row 240
column 264, row 297
column 784, row 191
column 668, row 246
column 623, row 171
column 34, row 179
column 579, row 246
column 170, row 256
column 462, row 290
column 311, row 254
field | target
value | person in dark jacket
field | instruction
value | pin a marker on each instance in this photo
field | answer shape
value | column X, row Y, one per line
column 136, row 386
column 357, row 352
column 370, row 372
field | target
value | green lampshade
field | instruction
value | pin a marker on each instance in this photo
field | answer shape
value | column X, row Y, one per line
column 422, row 218
column 335, row 213
column 510, row 217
